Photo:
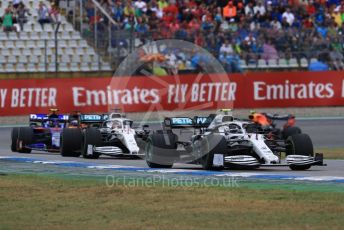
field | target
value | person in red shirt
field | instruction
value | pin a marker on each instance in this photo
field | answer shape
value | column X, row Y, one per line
column 308, row 23
column 174, row 26
column 199, row 40
column 194, row 24
column 168, row 18
column 310, row 8
column 196, row 12
column 173, row 9
column 191, row 4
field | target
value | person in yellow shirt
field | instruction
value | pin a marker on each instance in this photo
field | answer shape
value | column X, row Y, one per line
column 337, row 17
column 128, row 9
column 162, row 4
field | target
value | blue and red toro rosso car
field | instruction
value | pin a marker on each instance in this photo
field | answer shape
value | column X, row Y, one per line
column 43, row 134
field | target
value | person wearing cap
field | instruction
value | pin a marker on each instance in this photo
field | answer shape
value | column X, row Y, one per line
column 140, row 7
column 233, row 27
column 337, row 17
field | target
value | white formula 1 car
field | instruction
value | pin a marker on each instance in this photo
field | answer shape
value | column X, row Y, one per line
column 220, row 140
column 114, row 137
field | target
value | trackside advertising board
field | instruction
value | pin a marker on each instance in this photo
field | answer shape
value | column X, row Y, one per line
column 186, row 92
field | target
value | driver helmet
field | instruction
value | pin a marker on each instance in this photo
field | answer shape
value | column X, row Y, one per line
column 74, row 122
column 116, row 125
column 52, row 123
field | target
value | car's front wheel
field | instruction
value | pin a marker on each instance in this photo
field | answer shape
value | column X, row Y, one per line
column 214, row 144
column 14, row 139
column 25, row 138
column 299, row 144
column 92, row 138
column 161, row 150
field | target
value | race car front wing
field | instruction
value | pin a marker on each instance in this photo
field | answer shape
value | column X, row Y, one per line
column 113, row 151
column 250, row 161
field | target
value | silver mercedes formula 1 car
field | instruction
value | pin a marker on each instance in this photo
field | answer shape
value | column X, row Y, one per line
column 111, row 135
column 222, row 141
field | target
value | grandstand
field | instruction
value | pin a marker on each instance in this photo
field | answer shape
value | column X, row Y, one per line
column 262, row 34
column 34, row 50
column 286, row 35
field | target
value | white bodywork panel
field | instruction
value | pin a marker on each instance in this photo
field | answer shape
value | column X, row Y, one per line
column 262, row 150
column 128, row 139
column 55, row 138
column 224, row 122
column 123, row 132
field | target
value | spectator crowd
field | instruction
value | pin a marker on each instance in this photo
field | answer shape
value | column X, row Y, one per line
column 17, row 14
column 238, row 29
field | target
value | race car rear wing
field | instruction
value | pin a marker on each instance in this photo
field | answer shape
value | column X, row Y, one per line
column 279, row 117
column 45, row 117
column 93, row 118
column 187, row 122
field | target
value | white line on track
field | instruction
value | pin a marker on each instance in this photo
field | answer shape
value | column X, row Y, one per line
column 190, row 172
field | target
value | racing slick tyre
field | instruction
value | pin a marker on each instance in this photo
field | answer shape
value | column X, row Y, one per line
column 14, row 139
column 161, row 149
column 289, row 131
column 299, row 144
column 92, row 137
column 141, row 144
column 214, row 144
column 71, row 140
column 25, row 137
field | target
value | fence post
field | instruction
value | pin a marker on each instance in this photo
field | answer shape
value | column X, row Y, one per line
column 45, row 56
column 131, row 40
column 96, row 33
column 56, row 47
column 118, row 47
column 74, row 12
column 110, row 43
column 81, row 14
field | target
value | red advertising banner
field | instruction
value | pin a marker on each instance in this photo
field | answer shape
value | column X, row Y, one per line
column 187, row 92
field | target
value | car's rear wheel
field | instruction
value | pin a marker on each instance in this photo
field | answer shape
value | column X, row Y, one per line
column 290, row 131
column 25, row 138
column 161, row 150
column 299, row 144
column 14, row 139
column 92, row 138
column 71, row 140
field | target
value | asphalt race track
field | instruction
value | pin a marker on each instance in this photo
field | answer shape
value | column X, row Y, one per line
column 325, row 133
